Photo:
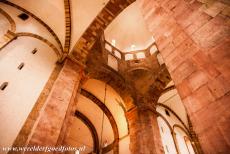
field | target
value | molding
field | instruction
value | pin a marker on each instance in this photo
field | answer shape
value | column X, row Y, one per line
column 67, row 26
column 92, row 129
column 10, row 19
column 36, row 18
column 41, row 39
column 109, row 115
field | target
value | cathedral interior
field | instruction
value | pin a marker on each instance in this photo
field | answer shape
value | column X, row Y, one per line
column 115, row 76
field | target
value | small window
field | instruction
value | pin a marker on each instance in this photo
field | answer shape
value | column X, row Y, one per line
column 129, row 57
column 4, row 85
column 167, row 112
column 23, row 16
column 21, row 66
column 162, row 129
column 167, row 149
column 34, row 51
column 140, row 55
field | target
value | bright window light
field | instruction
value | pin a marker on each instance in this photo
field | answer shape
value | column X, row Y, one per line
column 140, row 55
column 113, row 42
column 133, row 47
column 128, row 56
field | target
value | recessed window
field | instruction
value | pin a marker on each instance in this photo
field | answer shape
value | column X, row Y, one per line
column 167, row 149
column 34, row 51
column 140, row 55
column 3, row 86
column 129, row 57
column 23, row 16
column 167, row 112
column 21, row 66
column 162, row 129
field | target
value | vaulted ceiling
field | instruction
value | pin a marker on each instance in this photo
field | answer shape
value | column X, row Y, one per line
column 52, row 12
column 128, row 29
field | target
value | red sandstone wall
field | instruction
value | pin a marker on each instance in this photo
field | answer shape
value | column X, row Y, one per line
column 194, row 41
column 144, row 132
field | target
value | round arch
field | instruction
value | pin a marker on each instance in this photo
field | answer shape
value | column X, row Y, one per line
column 57, row 52
column 163, row 133
column 109, row 115
column 187, row 135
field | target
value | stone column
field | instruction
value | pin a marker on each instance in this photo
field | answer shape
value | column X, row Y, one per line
column 193, row 39
column 47, row 128
column 144, row 131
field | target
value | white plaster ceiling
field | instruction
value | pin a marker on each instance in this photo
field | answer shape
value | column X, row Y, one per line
column 83, row 13
column 173, row 101
column 30, row 25
column 52, row 13
column 97, row 88
column 129, row 28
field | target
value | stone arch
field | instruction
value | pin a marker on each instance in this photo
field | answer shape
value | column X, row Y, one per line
column 10, row 19
column 171, row 129
column 165, row 120
column 21, row 34
column 186, row 132
column 92, row 129
column 166, row 107
column 109, row 116
column 116, row 81
column 67, row 26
